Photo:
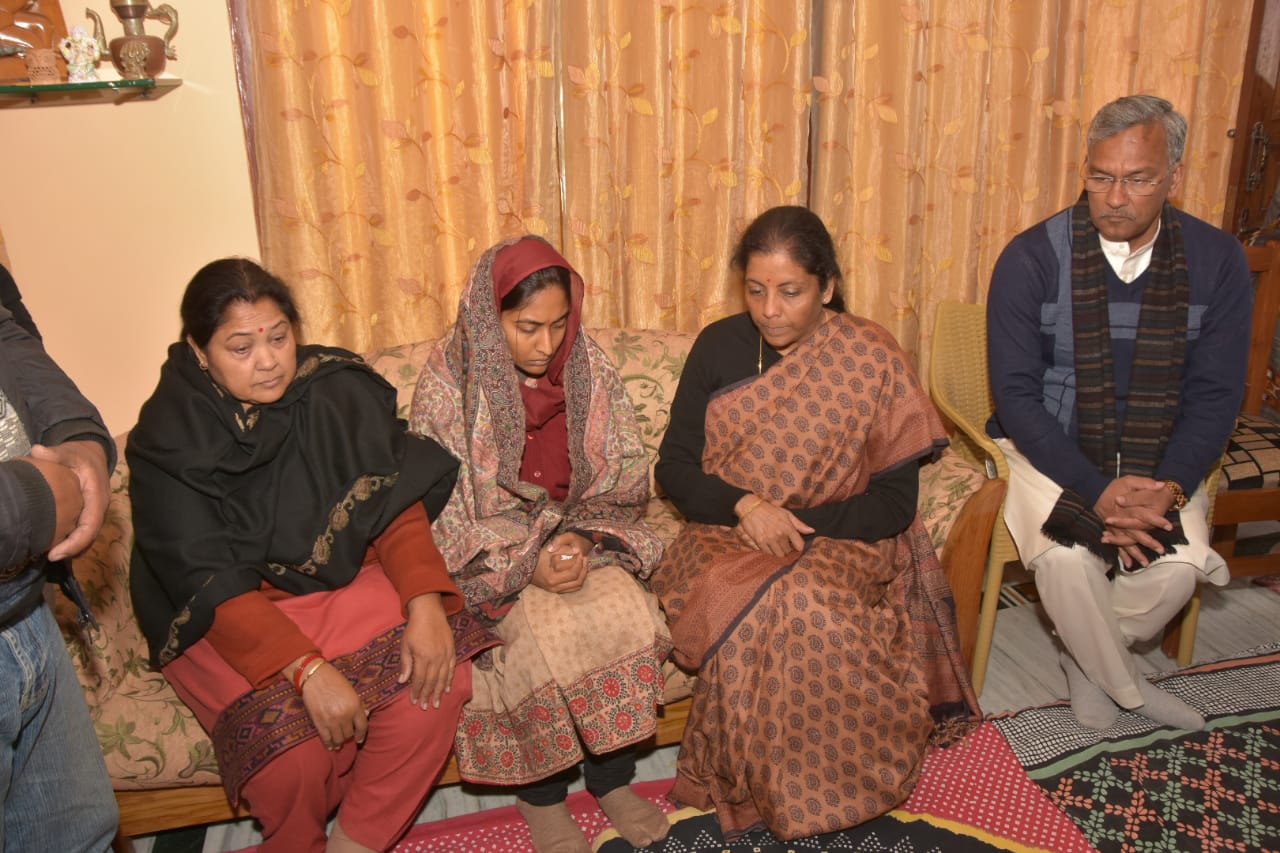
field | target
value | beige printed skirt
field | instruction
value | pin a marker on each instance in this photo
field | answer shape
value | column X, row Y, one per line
column 578, row 670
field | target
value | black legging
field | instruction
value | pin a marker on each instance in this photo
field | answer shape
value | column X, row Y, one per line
column 603, row 774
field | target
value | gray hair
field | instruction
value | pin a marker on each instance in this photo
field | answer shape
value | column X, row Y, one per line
column 1124, row 113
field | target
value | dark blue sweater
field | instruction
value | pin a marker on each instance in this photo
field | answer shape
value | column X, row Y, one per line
column 1033, row 378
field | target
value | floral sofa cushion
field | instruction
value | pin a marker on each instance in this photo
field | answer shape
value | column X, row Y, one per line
column 148, row 736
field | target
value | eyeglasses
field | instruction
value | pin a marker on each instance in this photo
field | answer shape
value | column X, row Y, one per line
column 1132, row 186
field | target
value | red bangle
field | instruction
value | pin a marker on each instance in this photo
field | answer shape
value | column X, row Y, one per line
column 302, row 668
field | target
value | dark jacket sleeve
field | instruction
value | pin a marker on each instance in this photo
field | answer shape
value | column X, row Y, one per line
column 1022, row 282
column 11, row 298
column 53, row 411
column 1213, row 376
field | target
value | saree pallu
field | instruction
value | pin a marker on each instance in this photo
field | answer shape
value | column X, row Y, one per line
column 580, row 669
column 820, row 673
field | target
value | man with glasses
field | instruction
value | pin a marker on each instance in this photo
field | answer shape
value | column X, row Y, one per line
column 1118, row 336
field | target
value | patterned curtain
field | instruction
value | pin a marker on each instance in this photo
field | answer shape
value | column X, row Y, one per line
column 393, row 140
column 945, row 128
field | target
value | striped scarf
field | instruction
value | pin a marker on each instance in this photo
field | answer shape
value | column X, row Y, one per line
column 1155, row 382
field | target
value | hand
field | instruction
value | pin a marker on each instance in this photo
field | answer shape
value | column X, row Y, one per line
column 67, row 500
column 88, row 461
column 562, row 564
column 427, row 652
column 1127, row 545
column 1130, row 507
column 769, row 528
column 333, row 705
column 1145, row 507
column 1128, row 487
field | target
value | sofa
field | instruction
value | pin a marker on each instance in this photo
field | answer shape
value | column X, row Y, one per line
column 161, row 762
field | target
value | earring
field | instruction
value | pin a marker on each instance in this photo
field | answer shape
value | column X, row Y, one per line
column 203, row 365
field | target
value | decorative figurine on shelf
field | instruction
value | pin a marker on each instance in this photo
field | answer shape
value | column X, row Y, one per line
column 137, row 55
column 81, row 52
column 42, row 65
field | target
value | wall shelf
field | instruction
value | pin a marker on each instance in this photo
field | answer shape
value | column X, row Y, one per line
column 19, row 93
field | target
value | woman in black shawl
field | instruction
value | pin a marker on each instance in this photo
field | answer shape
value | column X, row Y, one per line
column 284, row 572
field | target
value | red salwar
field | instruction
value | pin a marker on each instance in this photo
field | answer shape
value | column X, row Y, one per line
column 378, row 787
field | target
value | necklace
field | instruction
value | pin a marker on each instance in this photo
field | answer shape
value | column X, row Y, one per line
column 760, row 357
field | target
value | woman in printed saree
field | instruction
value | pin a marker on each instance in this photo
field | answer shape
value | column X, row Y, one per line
column 545, row 537
column 803, row 588
column 284, row 571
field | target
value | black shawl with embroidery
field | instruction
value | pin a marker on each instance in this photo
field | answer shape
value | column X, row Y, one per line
column 290, row 492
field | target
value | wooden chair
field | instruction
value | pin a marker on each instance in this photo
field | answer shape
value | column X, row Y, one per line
column 1251, row 467
column 961, row 390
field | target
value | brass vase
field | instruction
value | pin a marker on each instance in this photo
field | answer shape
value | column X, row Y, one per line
column 135, row 54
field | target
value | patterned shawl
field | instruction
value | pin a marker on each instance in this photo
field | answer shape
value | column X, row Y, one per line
column 843, row 405
column 1155, row 382
column 289, row 492
column 469, row 399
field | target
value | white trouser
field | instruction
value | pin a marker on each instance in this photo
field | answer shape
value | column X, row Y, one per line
column 1098, row 619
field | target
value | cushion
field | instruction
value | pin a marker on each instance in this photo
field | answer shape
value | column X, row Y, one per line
column 1253, row 454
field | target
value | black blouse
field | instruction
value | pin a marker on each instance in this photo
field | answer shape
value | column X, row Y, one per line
column 726, row 352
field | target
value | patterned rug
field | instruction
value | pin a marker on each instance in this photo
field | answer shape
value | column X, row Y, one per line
column 1017, row 593
column 1138, row 787
column 1036, row 780
column 1033, row 781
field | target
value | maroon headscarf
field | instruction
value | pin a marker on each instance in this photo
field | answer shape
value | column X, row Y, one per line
column 544, row 396
column 546, row 452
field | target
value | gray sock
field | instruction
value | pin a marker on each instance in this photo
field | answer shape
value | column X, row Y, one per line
column 1167, row 709
column 1090, row 703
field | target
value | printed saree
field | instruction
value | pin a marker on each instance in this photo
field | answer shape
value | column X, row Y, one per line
column 582, row 668
column 820, row 673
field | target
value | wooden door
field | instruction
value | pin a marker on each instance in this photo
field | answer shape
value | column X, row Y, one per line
column 1255, row 156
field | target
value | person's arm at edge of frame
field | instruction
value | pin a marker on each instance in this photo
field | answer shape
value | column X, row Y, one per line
column 65, row 428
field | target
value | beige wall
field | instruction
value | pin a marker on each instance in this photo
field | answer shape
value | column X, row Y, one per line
column 108, row 209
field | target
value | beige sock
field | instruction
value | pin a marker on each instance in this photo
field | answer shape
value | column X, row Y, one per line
column 637, row 820
column 553, row 829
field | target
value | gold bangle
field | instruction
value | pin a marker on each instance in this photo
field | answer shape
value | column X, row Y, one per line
column 310, row 671
column 1179, row 496
column 751, row 509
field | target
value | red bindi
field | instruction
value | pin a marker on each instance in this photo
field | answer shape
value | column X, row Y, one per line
column 260, row 330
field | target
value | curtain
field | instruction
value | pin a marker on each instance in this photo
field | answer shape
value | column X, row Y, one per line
column 392, row 141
